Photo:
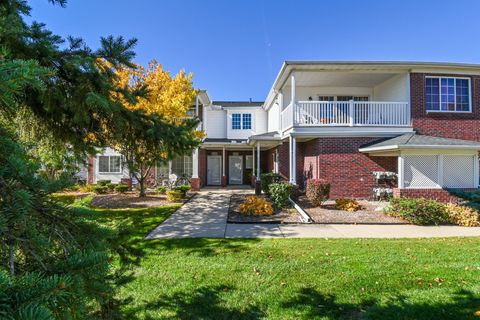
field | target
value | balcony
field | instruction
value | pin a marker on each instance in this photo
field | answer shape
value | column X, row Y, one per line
column 345, row 114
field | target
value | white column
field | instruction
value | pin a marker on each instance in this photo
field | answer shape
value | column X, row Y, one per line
column 401, row 183
column 293, row 160
column 351, row 112
column 223, row 161
column 195, row 163
column 170, row 167
column 440, row 170
column 280, row 109
column 253, row 160
column 258, row 162
column 276, row 161
column 475, row 171
column 294, row 98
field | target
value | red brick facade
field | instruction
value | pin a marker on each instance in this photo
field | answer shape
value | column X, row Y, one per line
column 448, row 125
column 435, row 194
column 338, row 161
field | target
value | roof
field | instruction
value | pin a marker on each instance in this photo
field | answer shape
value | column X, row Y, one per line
column 223, row 140
column 238, row 103
column 274, row 135
column 385, row 63
column 417, row 141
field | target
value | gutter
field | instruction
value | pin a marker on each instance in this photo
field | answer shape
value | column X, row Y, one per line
column 303, row 214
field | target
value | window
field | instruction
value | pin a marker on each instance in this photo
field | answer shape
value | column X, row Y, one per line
column 236, row 121
column 248, row 162
column 182, row 166
column 246, row 121
column 109, row 164
column 241, row 121
column 447, row 94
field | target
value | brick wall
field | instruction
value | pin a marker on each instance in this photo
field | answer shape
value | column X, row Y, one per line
column 448, row 125
column 435, row 194
column 338, row 161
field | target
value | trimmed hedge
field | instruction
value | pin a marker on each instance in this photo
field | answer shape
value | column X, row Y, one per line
column 318, row 191
column 121, row 188
column 279, row 193
column 175, row 195
column 266, row 179
column 103, row 182
column 418, row 211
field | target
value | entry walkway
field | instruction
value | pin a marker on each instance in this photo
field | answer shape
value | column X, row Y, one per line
column 205, row 216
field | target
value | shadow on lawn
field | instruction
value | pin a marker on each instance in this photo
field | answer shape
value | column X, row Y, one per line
column 308, row 303
column 203, row 303
column 203, row 247
column 312, row 304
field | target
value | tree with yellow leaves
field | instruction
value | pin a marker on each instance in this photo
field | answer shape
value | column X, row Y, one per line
column 168, row 96
column 167, row 100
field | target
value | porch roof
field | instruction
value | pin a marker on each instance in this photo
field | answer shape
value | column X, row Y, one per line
column 417, row 141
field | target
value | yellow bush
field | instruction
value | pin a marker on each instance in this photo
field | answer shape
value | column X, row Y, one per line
column 256, row 206
column 346, row 204
column 463, row 216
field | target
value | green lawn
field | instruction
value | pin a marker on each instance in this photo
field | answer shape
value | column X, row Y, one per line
column 289, row 279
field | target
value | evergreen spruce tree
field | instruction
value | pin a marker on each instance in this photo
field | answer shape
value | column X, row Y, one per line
column 53, row 264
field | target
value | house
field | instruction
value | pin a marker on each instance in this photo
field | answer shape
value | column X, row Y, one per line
column 346, row 122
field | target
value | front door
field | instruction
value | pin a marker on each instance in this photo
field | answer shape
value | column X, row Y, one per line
column 235, row 172
column 214, row 166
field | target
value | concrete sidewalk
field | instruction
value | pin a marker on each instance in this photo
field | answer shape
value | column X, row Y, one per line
column 205, row 216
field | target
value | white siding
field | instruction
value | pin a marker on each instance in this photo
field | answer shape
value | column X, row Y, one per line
column 215, row 123
column 303, row 93
column 260, row 122
column 393, row 89
column 114, row 177
column 273, row 118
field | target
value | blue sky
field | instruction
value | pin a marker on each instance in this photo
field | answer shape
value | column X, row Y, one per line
column 235, row 48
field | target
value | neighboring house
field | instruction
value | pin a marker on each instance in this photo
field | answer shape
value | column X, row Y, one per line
column 343, row 121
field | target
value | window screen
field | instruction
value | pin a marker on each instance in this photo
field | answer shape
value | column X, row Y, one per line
column 458, row 171
column 421, row 171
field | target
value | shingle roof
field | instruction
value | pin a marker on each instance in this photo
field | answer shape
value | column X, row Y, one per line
column 238, row 103
column 413, row 140
column 273, row 135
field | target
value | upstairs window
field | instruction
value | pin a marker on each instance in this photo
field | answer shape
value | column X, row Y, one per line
column 236, row 121
column 109, row 164
column 447, row 94
column 241, row 121
column 247, row 121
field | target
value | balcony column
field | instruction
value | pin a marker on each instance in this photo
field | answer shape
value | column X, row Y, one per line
column 293, row 160
column 294, row 98
column 351, row 112
column 195, row 180
column 401, row 183
column 280, row 109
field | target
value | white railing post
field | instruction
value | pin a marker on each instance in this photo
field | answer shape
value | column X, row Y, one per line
column 350, row 112
column 293, row 98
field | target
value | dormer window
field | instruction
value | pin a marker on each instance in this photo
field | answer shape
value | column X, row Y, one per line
column 241, row 121
column 448, row 94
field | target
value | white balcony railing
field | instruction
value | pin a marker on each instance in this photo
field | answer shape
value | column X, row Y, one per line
column 346, row 113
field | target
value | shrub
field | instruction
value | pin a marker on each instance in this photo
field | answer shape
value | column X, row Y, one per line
column 161, row 190
column 418, row 211
column 175, row 195
column 86, row 188
column 100, row 189
column 318, row 191
column 111, row 186
column 462, row 215
column 183, row 188
column 279, row 193
column 83, row 201
column 103, row 182
column 266, row 179
column 121, row 188
column 256, row 206
column 346, row 204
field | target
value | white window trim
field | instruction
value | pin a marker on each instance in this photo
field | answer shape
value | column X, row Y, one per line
column 241, row 121
column 246, row 161
column 440, row 94
column 109, row 172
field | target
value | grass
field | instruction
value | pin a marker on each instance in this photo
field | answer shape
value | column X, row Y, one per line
column 289, row 278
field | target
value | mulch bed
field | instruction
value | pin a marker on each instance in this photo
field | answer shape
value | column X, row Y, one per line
column 371, row 213
column 131, row 200
column 289, row 215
